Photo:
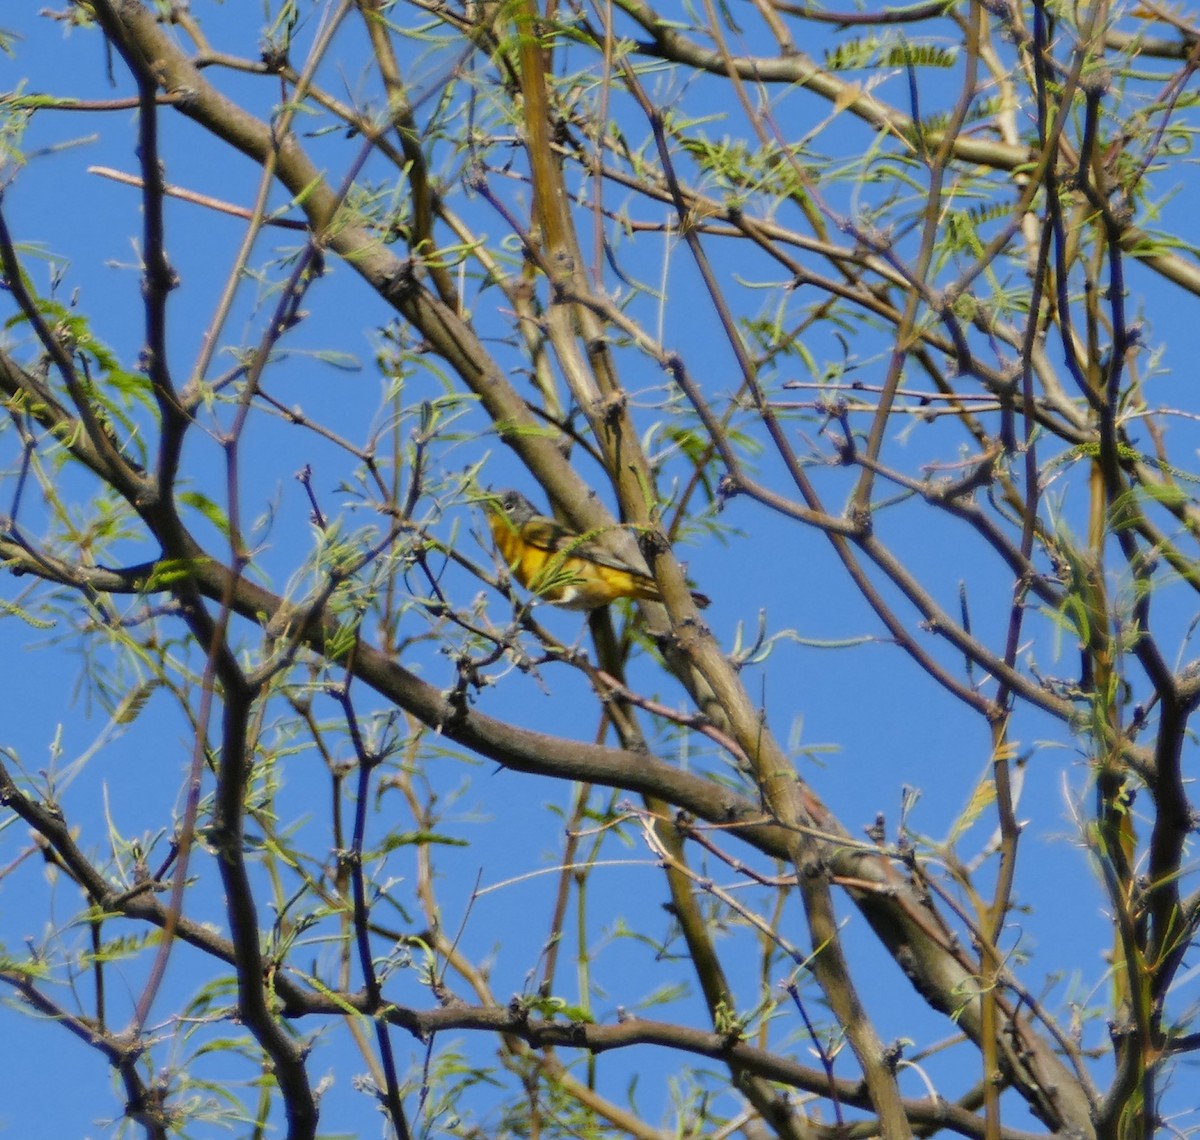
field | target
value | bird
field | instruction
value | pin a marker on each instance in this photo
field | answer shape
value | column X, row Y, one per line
column 566, row 568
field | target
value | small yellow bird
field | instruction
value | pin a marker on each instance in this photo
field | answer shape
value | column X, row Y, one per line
column 561, row 566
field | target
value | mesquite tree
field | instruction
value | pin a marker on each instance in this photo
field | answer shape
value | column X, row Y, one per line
column 861, row 321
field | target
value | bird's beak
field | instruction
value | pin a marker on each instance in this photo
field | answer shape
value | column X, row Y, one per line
column 485, row 497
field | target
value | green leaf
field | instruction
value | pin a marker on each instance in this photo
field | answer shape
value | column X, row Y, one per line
column 207, row 508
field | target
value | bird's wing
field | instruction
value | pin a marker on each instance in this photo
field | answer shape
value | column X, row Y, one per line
column 552, row 537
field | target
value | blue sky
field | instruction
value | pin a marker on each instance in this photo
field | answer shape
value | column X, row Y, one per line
column 863, row 722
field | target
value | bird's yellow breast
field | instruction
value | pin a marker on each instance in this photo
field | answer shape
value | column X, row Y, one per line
column 564, row 578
